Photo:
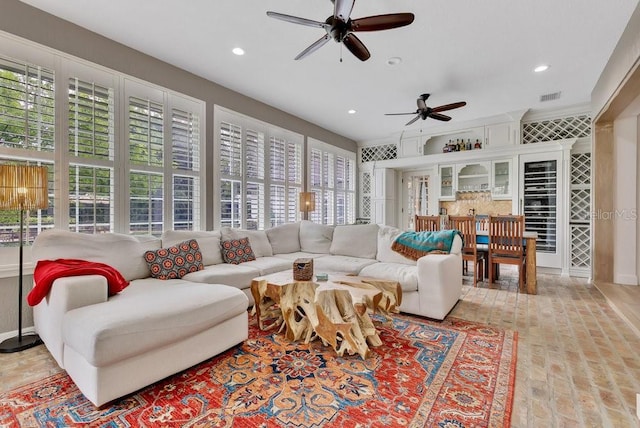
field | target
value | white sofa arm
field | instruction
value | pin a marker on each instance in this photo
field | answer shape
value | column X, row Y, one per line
column 439, row 284
column 66, row 294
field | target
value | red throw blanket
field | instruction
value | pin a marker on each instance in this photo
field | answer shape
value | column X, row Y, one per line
column 47, row 271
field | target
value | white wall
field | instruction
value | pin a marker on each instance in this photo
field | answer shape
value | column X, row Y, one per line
column 626, row 239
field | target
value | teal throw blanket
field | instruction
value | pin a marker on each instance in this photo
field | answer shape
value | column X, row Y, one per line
column 414, row 245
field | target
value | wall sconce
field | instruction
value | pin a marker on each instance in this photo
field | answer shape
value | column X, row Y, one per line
column 307, row 203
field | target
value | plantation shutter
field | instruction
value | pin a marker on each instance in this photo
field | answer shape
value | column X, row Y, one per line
column 91, row 146
column 185, row 147
column 255, row 166
column 146, row 143
column 231, row 174
column 27, row 110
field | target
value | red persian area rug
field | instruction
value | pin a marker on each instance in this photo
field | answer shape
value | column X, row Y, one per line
column 448, row 374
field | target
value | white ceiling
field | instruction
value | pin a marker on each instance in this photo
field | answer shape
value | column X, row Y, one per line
column 481, row 52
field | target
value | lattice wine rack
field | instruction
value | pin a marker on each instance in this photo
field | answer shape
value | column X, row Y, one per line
column 378, row 153
column 580, row 213
column 365, row 191
column 556, row 129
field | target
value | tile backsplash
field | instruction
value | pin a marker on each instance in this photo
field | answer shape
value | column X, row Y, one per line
column 480, row 201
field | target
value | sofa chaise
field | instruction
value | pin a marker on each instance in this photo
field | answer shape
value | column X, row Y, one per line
column 114, row 345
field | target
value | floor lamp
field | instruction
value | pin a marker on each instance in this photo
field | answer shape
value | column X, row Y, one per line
column 307, row 204
column 22, row 187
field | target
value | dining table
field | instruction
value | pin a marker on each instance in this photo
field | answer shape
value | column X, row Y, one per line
column 531, row 286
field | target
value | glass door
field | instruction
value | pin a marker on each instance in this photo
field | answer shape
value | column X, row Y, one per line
column 541, row 196
column 417, row 195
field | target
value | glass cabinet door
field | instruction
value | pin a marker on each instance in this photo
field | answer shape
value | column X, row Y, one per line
column 447, row 185
column 501, row 179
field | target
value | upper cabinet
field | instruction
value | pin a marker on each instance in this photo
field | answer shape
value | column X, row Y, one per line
column 410, row 147
column 501, row 180
column 501, row 134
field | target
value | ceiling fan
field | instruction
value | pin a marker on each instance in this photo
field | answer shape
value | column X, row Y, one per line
column 434, row 113
column 340, row 27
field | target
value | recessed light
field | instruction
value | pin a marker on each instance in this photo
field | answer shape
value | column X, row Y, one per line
column 238, row 51
column 352, row 111
column 541, row 68
column 395, row 60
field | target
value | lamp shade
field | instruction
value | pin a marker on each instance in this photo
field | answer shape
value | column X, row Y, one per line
column 23, row 187
column 307, row 202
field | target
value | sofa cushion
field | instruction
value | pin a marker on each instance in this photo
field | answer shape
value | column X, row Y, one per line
column 267, row 265
column 405, row 274
column 122, row 252
column 357, row 240
column 258, row 238
column 299, row 255
column 284, row 238
column 386, row 236
column 315, row 238
column 209, row 243
column 175, row 261
column 343, row 264
column 131, row 325
column 236, row 251
column 238, row 276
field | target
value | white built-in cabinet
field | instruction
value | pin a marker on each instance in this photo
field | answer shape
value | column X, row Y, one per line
column 494, row 175
column 501, row 134
column 383, row 198
column 409, row 147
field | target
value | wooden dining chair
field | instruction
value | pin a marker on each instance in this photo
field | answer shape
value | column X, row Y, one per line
column 426, row 223
column 466, row 225
column 506, row 244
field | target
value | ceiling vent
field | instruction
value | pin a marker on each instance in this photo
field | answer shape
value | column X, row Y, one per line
column 550, row 97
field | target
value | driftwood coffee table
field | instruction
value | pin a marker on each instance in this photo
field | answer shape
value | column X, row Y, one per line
column 336, row 311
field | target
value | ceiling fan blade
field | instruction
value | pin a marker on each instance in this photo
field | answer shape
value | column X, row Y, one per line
column 439, row 116
column 399, row 114
column 356, row 47
column 314, row 46
column 296, row 20
column 412, row 120
column 382, row 22
column 449, row 106
column 421, row 104
column 342, row 9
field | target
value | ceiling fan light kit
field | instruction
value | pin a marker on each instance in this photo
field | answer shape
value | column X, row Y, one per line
column 340, row 27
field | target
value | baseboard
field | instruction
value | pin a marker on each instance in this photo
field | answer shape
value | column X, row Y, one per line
column 626, row 279
column 10, row 334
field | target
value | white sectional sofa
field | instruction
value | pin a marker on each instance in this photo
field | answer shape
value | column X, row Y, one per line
column 114, row 345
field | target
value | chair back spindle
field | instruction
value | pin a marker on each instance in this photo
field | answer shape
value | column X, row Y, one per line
column 426, row 223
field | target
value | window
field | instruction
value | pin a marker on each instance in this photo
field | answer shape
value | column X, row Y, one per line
column 148, row 182
column 332, row 179
column 250, row 196
column 27, row 112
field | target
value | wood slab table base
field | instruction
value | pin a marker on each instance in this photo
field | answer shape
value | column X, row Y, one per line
column 336, row 311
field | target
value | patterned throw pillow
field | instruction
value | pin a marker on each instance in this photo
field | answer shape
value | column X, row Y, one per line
column 176, row 261
column 236, row 251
